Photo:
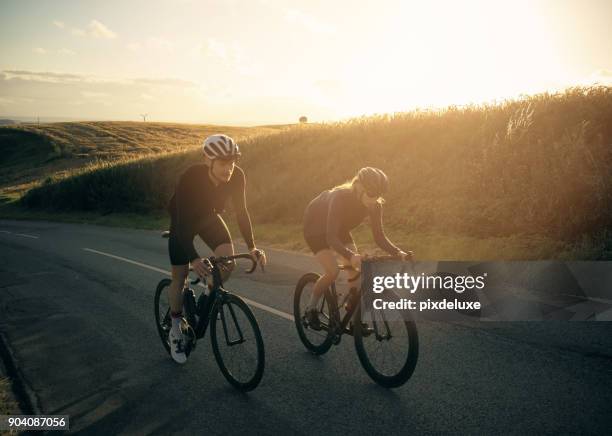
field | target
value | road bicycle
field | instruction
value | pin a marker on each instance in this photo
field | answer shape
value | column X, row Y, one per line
column 387, row 342
column 234, row 333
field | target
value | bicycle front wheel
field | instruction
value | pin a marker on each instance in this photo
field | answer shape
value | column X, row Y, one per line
column 237, row 343
column 387, row 346
column 163, row 321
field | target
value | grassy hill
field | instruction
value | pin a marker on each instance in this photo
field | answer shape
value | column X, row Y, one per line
column 30, row 153
column 531, row 175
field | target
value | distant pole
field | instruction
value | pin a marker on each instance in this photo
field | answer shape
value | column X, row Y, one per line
column 144, row 117
column 38, row 121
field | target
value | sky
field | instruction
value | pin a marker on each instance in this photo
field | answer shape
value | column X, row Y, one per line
column 272, row 61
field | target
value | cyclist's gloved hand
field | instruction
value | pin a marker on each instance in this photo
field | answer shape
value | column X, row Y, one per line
column 259, row 255
column 403, row 255
column 200, row 268
column 356, row 262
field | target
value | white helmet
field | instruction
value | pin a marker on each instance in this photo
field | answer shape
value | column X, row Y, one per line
column 220, row 147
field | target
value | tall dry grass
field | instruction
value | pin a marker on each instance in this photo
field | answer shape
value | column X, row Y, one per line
column 537, row 165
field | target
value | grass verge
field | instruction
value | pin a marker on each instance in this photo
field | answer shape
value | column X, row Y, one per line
column 431, row 246
column 8, row 405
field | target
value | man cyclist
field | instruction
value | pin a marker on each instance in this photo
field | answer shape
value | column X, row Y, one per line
column 328, row 221
column 199, row 198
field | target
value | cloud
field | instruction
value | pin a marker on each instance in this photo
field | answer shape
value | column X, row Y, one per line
column 93, row 94
column 309, row 22
column 598, row 77
column 95, row 29
column 50, row 93
column 68, row 78
column 230, row 56
column 99, row 30
column 36, row 76
column 604, row 74
column 157, row 43
column 37, row 73
column 179, row 83
column 61, row 51
column 59, row 24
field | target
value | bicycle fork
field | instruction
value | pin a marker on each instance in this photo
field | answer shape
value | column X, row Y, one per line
column 224, row 323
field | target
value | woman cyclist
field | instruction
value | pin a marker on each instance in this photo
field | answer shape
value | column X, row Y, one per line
column 328, row 221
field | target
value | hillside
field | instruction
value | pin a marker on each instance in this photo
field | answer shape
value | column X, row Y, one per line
column 539, row 167
column 30, row 153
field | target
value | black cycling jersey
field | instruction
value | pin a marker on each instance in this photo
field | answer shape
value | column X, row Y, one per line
column 333, row 214
column 196, row 202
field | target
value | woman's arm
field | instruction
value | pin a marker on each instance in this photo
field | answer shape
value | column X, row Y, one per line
column 378, row 232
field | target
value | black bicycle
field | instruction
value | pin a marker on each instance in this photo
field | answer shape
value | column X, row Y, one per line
column 234, row 333
column 387, row 343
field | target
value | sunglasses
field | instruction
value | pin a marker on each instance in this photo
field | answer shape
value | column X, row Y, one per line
column 374, row 195
column 227, row 160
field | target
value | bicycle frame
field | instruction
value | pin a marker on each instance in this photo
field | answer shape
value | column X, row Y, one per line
column 216, row 298
column 338, row 326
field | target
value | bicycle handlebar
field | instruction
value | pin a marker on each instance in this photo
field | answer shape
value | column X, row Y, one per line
column 214, row 261
column 380, row 258
column 225, row 259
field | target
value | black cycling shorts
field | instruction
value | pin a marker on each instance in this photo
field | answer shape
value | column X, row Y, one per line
column 213, row 232
column 317, row 243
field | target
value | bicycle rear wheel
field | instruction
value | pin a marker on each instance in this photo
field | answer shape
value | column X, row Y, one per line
column 316, row 341
column 237, row 343
column 387, row 345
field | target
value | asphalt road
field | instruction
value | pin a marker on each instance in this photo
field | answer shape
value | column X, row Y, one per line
column 80, row 326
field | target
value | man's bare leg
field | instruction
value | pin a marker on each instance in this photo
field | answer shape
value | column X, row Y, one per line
column 175, row 292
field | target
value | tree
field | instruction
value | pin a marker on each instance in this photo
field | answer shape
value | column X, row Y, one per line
column 303, row 119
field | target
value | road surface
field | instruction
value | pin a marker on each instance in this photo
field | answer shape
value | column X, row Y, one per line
column 76, row 311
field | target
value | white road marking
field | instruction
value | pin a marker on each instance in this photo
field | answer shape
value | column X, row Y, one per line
column 26, row 236
column 133, row 262
column 4, row 231
column 168, row 273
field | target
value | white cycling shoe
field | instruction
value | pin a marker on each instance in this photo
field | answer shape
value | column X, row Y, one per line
column 177, row 346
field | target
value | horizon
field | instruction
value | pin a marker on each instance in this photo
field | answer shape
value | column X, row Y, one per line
column 273, row 63
column 485, row 104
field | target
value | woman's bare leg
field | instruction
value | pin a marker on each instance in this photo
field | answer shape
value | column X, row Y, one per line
column 327, row 259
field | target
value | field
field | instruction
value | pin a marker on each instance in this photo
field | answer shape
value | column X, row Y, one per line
column 528, row 178
column 34, row 153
